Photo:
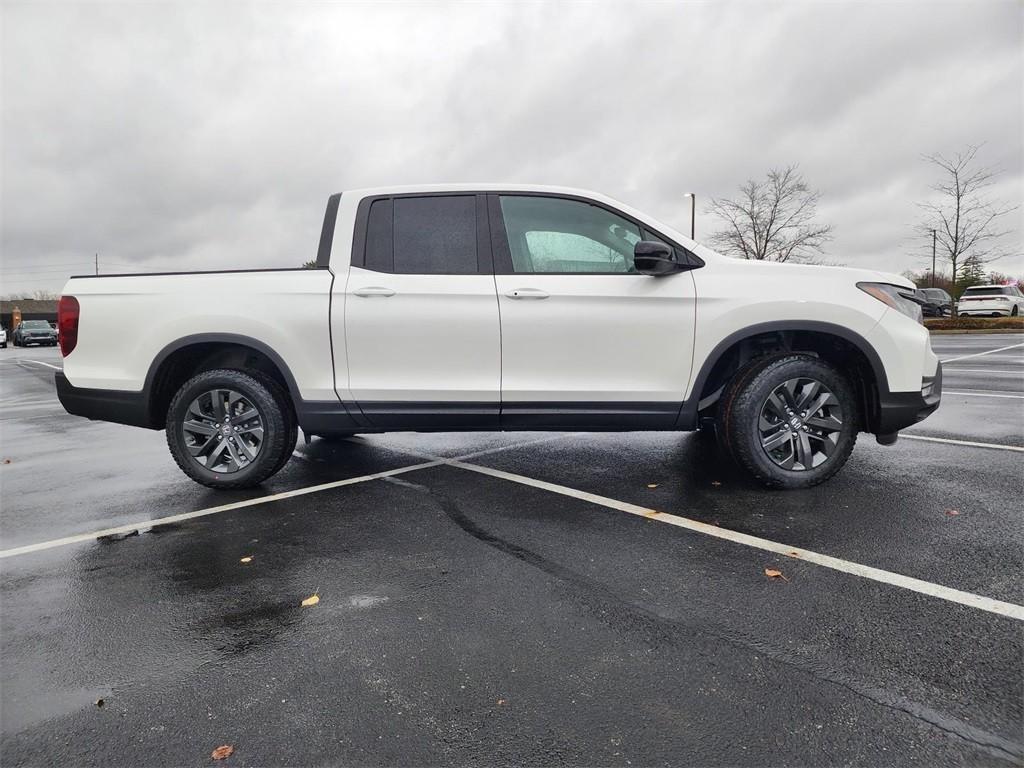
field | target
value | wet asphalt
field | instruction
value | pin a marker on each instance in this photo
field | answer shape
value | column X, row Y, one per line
column 467, row 619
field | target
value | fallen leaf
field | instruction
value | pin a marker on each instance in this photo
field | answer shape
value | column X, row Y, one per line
column 7, row 461
column 952, row 512
column 652, row 485
column 773, row 573
column 220, row 753
column 500, row 702
column 311, row 600
column 100, row 702
column 246, row 559
column 793, row 554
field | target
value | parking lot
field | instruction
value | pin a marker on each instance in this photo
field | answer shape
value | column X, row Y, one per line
column 522, row 598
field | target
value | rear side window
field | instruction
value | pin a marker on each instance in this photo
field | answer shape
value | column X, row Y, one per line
column 422, row 235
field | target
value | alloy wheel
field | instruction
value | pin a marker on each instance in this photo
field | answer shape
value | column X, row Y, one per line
column 223, row 431
column 799, row 424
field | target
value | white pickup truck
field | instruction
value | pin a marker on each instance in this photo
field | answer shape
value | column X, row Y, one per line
column 500, row 307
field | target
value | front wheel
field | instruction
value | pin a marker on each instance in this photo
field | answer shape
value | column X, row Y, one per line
column 227, row 429
column 791, row 421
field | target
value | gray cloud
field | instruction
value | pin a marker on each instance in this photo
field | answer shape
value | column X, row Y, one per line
column 197, row 136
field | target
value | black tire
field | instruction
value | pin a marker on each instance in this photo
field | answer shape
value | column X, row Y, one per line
column 741, row 413
column 274, row 411
column 728, row 396
column 282, row 398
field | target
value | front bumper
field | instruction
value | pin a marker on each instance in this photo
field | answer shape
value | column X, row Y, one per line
column 898, row 410
column 114, row 405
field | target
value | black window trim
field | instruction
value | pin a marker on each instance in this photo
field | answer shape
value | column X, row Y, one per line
column 503, row 256
column 484, row 258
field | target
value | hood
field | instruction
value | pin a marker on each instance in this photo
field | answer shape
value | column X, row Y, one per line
column 845, row 274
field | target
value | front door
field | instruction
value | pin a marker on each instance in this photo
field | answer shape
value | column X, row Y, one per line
column 421, row 315
column 586, row 341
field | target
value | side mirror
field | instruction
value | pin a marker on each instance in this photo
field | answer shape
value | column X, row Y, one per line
column 653, row 258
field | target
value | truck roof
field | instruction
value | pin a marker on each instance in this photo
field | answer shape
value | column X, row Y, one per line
column 472, row 187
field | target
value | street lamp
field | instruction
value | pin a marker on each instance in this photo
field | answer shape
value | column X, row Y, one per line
column 693, row 214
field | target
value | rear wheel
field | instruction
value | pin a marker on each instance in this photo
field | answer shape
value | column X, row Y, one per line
column 791, row 421
column 230, row 429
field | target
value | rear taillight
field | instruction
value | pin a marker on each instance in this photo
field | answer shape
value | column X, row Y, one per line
column 67, row 324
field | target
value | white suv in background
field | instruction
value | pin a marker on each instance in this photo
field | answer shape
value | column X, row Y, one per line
column 994, row 300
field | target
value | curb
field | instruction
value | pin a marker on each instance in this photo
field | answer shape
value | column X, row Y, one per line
column 957, row 331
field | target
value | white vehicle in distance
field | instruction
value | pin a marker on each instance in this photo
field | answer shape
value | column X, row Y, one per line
column 501, row 307
column 991, row 300
column 3, row 337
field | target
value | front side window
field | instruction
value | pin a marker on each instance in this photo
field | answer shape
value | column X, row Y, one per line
column 554, row 235
column 422, row 235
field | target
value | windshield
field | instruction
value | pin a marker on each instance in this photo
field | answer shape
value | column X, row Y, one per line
column 935, row 293
column 36, row 325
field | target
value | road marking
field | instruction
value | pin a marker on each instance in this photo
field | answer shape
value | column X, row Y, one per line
column 979, row 354
column 970, row 443
column 40, row 362
column 116, row 530
column 969, row 599
column 129, row 527
column 979, row 393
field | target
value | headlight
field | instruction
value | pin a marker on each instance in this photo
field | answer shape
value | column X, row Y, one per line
column 900, row 299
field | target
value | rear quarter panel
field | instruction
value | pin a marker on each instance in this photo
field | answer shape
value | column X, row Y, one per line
column 127, row 321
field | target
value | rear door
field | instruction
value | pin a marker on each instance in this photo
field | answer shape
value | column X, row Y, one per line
column 421, row 313
column 586, row 340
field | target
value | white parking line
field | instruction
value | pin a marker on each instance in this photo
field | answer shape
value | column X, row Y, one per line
column 129, row 527
column 856, row 569
column 939, row 591
column 40, row 362
column 979, row 393
column 979, row 354
column 969, row 443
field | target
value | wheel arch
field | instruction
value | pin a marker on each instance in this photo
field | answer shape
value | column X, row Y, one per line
column 185, row 357
column 837, row 344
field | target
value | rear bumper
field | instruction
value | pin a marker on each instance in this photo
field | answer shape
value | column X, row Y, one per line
column 114, row 405
column 989, row 312
column 898, row 410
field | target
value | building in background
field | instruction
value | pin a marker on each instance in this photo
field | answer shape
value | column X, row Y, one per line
column 31, row 309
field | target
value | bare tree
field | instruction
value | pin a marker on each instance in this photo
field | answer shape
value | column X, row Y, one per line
column 966, row 222
column 772, row 219
column 40, row 294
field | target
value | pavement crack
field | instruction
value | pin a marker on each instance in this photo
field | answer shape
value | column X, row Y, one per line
column 611, row 607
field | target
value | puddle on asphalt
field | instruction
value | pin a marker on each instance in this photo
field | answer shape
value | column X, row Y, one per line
column 21, row 712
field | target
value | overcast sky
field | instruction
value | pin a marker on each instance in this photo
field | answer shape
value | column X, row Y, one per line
column 209, row 135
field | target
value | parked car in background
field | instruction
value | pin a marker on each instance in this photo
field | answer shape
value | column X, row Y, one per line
column 935, row 302
column 3, row 337
column 34, row 332
column 991, row 300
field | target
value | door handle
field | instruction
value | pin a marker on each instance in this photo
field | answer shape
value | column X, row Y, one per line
column 373, row 290
column 527, row 293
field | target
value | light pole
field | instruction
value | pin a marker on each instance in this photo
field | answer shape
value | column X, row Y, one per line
column 933, row 258
column 693, row 214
